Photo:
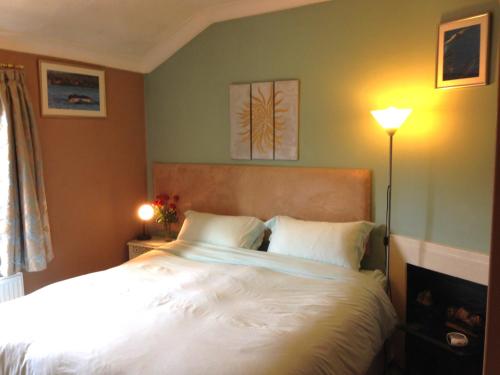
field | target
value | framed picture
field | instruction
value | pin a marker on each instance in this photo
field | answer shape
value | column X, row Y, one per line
column 68, row 90
column 264, row 120
column 463, row 52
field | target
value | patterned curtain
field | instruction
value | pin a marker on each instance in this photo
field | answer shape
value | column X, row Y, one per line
column 25, row 243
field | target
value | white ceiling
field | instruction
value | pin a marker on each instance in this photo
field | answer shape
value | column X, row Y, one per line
column 135, row 35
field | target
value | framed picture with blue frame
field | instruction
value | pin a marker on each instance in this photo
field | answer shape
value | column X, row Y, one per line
column 463, row 52
column 69, row 90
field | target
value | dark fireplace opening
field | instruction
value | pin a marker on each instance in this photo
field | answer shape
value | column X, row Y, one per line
column 438, row 304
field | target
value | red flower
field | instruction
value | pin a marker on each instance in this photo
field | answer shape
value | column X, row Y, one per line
column 172, row 206
column 176, row 198
column 160, row 200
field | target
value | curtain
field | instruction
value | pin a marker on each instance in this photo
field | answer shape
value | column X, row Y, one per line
column 25, row 243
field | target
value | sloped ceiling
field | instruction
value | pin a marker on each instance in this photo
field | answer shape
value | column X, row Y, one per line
column 136, row 35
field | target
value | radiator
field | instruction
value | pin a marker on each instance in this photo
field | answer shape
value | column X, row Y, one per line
column 11, row 287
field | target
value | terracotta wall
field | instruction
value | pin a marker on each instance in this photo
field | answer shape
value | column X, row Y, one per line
column 95, row 176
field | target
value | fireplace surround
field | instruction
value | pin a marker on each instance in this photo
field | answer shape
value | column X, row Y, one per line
column 436, row 305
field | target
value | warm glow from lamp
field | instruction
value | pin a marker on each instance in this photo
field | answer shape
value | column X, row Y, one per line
column 146, row 212
column 391, row 118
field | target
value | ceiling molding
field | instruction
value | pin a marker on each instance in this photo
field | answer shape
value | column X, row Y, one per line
column 169, row 43
column 208, row 16
column 69, row 52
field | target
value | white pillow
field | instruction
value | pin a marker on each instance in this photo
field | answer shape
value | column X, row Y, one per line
column 342, row 244
column 233, row 231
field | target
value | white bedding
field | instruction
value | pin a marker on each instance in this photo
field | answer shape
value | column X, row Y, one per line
column 200, row 309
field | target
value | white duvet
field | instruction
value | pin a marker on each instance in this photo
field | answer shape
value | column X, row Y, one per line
column 199, row 309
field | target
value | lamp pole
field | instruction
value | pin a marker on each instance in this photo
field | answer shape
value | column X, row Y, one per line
column 387, row 237
column 391, row 120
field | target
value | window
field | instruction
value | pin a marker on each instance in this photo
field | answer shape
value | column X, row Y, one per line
column 4, row 185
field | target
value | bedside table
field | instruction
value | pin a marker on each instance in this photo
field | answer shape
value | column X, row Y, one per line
column 137, row 247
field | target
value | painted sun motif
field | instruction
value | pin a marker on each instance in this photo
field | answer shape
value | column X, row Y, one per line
column 244, row 118
column 266, row 119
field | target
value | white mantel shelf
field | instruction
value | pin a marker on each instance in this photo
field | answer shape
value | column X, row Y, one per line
column 468, row 265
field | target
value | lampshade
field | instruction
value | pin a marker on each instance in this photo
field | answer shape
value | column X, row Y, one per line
column 146, row 212
column 391, row 118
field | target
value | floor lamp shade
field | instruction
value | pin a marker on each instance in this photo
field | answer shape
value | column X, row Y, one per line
column 391, row 118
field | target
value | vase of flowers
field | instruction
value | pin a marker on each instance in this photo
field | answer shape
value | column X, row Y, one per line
column 165, row 212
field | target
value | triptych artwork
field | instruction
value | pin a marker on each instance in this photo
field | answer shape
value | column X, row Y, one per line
column 264, row 118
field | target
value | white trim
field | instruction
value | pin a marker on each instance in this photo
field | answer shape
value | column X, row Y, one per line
column 468, row 265
column 50, row 49
column 208, row 16
column 168, row 45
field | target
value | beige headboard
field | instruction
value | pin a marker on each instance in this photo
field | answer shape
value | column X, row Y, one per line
column 323, row 194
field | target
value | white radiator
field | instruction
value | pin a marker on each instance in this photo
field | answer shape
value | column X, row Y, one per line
column 11, row 287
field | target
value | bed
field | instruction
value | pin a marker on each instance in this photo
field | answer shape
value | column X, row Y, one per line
column 195, row 308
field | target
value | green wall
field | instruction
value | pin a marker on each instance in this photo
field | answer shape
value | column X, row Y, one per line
column 350, row 56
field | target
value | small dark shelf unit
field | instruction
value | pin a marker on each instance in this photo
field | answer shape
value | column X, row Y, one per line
column 427, row 351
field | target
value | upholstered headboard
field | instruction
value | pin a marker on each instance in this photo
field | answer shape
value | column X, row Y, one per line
column 323, row 194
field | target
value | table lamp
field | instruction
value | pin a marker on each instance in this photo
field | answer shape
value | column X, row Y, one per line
column 146, row 213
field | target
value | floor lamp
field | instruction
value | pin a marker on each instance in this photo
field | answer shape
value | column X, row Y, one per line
column 391, row 120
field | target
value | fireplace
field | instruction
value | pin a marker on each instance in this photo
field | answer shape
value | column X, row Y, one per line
column 438, row 304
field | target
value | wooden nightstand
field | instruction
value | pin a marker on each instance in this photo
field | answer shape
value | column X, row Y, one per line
column 136, row 247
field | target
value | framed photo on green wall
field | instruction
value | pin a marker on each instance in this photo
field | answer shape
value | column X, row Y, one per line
column 463, row 52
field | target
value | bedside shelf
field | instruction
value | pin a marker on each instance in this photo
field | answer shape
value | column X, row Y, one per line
column 438, row 339
column 427, row 350
column 138, row 247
